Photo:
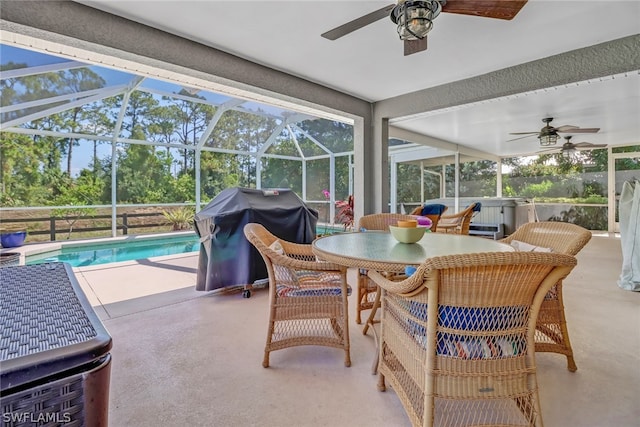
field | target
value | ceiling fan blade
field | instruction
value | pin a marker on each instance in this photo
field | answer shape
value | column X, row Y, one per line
column 500, row 9
column 358, row 23
column 549, row 151
column 414, row 46
column 588, row 146
column 566, row 128
column 522, row 137
column 584, row 130
column 524, row 133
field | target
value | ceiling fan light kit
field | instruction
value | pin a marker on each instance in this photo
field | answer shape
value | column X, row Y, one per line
column 569, row 153
column 549, row 139
column 548, row 135
column 415, row 18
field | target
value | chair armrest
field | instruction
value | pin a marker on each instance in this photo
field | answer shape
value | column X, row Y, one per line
column 293, row 262
column 398, row 284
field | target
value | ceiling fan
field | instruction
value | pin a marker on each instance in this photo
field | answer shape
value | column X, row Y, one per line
column 569, row 149
column 414, row 19
column 548, row 135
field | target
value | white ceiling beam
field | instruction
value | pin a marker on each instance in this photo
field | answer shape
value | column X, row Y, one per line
column 41, row 69
column 407, row 135
column 295, row 142
column 272, row 138
column 216, row 118
column 315, row 141
column 54, row 134
column 50, row 100
column 177, row 96
column 40, row 114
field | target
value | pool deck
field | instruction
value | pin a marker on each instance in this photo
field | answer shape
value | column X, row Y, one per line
column 116, row 289
column 123, row 288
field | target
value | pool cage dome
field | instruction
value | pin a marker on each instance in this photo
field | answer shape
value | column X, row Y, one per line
column 143, row 141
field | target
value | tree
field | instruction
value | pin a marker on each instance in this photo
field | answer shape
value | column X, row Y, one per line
column 191, row 119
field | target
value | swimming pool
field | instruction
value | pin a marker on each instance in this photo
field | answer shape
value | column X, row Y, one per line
column 123, row 250
column 83, row 255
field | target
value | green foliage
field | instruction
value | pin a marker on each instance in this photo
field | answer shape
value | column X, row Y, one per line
column 593, row 189
column 600, row 200
column 589, row 217
column 537, row 190
column 180, row 218
column 184, row 188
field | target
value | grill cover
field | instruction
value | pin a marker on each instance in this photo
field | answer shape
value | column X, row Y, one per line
column 226, row 257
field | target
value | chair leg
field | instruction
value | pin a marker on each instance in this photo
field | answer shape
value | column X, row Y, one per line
column 265, row 360
column 552, row 334
column 361, row 294
column 359, row 307
column 270, row 329
column 381, row 384
column 372, row 314
column 347, row 358
column 571, row 363
column 363, row 297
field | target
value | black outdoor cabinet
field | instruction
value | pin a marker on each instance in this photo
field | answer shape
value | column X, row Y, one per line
column 54, row 351
column 226, row 256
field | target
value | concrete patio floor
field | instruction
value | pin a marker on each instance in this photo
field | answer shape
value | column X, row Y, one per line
column 182, row 357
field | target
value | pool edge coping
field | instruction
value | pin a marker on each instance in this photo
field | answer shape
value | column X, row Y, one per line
column 40, row 248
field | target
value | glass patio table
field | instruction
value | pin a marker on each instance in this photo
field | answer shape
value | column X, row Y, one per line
column 381, row 252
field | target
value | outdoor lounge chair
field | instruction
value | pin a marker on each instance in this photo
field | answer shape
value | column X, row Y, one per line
column 458, row 223
column 433, row 211
column 552, row 334
column 307, row 298
column 457, row 337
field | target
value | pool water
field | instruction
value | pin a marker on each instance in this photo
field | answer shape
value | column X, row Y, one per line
column 126, row 250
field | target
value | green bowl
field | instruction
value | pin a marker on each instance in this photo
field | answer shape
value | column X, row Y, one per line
column 406, row 234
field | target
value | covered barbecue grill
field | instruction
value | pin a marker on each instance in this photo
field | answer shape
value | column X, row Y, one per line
column 226, row 257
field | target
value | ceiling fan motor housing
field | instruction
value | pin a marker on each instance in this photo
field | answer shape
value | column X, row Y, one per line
column 415, row 18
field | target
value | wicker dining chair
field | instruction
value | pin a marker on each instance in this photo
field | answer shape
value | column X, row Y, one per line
column 552, row 334
column 457, row 337
column 367, row 290
column 458, row 223
column 307, row 297
column 433, row 211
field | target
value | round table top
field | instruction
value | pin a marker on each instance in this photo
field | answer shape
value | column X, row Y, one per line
column 381, row 251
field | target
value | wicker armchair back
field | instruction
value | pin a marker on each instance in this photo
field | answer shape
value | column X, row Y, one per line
column 552, row 334
column 457, row 341
column 307, row 297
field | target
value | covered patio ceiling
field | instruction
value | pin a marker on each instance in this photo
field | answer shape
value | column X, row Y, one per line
column 370, row 65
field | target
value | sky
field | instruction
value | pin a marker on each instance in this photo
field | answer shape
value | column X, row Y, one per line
column 83, row 154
